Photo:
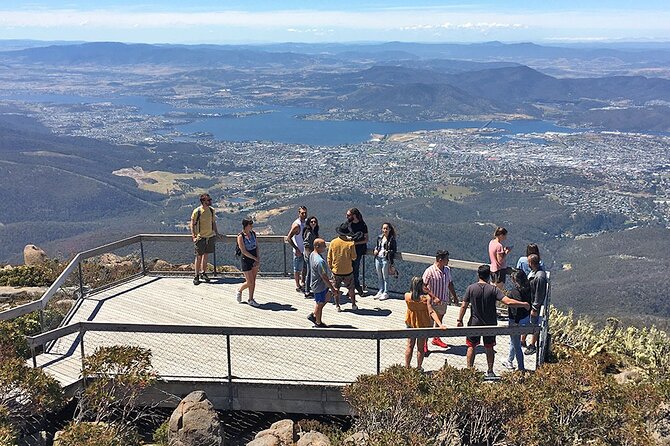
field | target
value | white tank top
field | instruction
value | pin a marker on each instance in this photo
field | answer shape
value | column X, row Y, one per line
column 297, row 239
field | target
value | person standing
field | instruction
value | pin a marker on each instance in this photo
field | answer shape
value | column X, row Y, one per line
column 483, row 296
column 518, row 317
column 321, row 284
column 538, row 289
column 294, row 238
column 522, row 263
column 309, row 234
column 384, row 253
column 440, row 286
column 498, row 255
column 341, row 256
column 420, row 314
column 251, row 260
column 360, row 236
column 203, row 233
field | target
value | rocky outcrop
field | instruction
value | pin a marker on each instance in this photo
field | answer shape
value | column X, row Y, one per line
column 357, row 439
column 281, row 433
column 11, row 293
column 195, row 422
column 34, row 256
column 313, row 438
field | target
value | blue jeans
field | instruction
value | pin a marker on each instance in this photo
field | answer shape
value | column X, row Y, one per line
column 308, row 273
column 515, row 344
column 382, row 266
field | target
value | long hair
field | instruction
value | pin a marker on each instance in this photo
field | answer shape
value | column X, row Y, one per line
column 391, row 228
column 520, row 281
column 532, row 249
column 416, row 288
column 357, row 213
column 246, row 222
column 315, row 231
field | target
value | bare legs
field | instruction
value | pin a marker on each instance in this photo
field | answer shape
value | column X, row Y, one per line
column 249, row 282
column 420, row 344
column 490, row 357
column 200, row 264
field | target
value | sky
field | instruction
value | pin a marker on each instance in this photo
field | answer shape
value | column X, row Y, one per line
column 253, row 21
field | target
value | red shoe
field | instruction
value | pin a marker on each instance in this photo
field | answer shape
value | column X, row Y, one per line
column 426, row 352
column 438, row 342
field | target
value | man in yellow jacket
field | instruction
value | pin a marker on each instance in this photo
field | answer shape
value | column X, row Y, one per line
column 341, row 254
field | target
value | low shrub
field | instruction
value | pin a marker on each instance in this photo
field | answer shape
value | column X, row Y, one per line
column 117, row 376
column 31, row 275
column 571, row 402
column 97, row 434
column 161, row 434
column 26, row 395
column 647, row 348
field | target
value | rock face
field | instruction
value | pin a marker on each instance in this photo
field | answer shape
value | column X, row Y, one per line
column 313, row 438
column 195, row 422
column 281, row 433
column 357, row 439
column 34, row 256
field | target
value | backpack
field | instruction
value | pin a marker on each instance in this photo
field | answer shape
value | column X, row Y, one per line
column 238, row 251
column 197, row 218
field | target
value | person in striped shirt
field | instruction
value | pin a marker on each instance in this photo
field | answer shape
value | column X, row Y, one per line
column 437, row 279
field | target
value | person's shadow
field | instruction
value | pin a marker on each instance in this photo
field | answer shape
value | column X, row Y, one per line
column 274, row 306
column 370, row 311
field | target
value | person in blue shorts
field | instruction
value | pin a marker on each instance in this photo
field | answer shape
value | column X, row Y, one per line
column 321, row 284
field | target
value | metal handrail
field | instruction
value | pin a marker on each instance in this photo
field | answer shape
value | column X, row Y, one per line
column 327, row 333
column 75, row 264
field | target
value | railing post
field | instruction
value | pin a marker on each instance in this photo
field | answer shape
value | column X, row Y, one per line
column 83, row 354
column 214, row 259
column 41, row 320
column 32, row 354
column 144, row 265
column 285, row 266
column 379, row 356
column 230, row 373
column 363, row 271
column 81, row 281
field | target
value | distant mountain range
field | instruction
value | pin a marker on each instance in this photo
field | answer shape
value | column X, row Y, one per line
column 406, row 81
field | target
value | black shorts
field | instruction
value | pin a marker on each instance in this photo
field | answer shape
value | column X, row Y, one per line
column 473, row 341
column 247, row 263
column 204, row 246
column 499, row 276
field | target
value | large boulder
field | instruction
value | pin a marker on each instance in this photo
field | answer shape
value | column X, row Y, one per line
column 195, row 422
column 284, row 431
column 34, row 256
column 313, row 438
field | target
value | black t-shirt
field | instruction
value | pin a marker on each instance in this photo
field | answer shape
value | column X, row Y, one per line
column 518, row 313
column 360, row 227
column 482, row 298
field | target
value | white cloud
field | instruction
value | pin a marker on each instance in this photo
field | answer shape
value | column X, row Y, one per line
column 410, row 22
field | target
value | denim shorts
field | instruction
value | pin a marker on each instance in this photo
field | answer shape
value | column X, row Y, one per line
column 298, row 264
column 320, row 298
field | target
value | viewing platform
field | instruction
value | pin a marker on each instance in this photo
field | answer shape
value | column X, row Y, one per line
column 267, row 358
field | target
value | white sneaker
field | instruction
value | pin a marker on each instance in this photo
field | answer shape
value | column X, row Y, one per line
column 253, row 303
column 384, row 296
column 238, row 296
column 508, row 365
column 378, row 295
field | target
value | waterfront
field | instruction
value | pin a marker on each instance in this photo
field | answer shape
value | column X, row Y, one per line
column 275, row 123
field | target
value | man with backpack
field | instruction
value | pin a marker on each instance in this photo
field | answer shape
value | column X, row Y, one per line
column 203, row 232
